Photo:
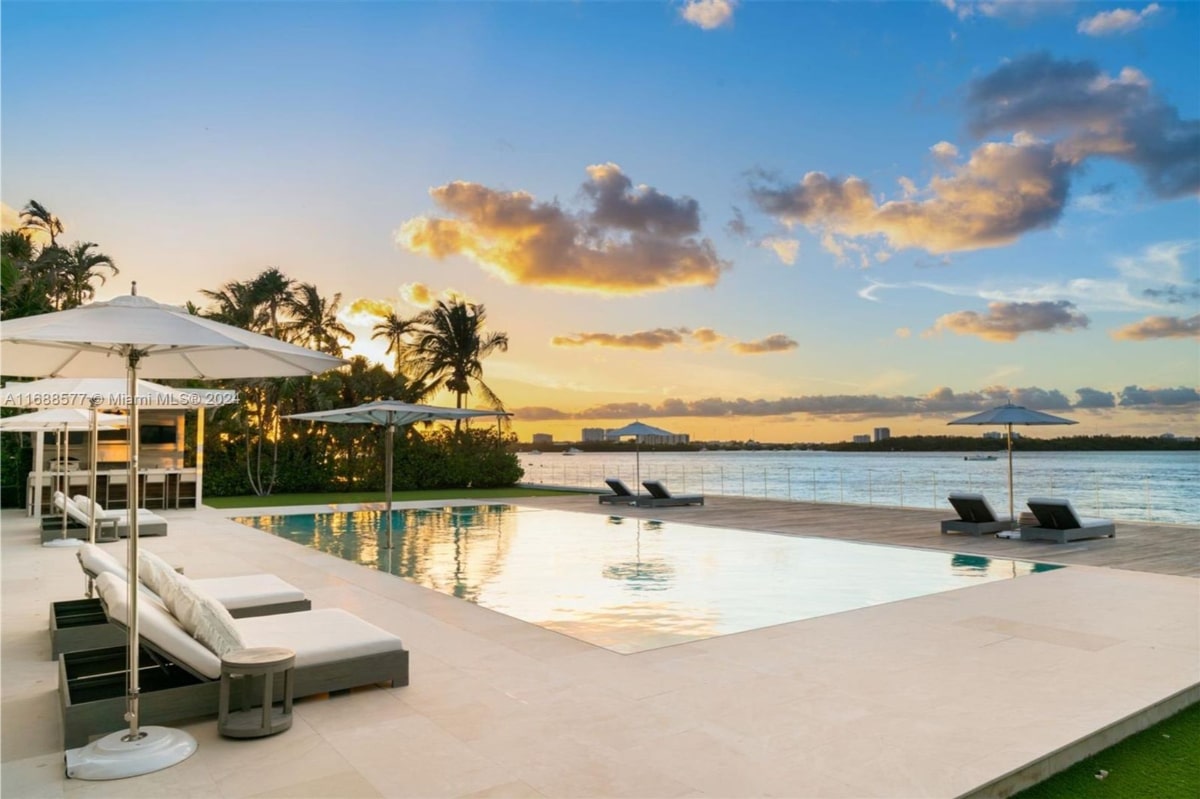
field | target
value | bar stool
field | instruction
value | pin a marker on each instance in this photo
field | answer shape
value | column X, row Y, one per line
column 154, row 489
column 120, row 497
column 244, row 665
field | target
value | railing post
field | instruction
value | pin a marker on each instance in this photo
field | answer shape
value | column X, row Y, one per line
column 841, row 487
column 789, row 479
column 814, row 486
column 743, row 481
column 870, row 492
column 902, row 489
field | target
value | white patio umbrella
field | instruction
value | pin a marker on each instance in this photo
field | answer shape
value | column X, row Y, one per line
column 392, row 414
column 639, row 429
column 113, row 392
column 156, row 340
column 1008, row 415
column 61, row 421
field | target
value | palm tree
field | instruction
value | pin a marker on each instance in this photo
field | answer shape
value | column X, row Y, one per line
column 23, row 292
column 394, row 330
column 449, row 347
column 314, row 321
column 236, row 305
column 36, row 216
column 273, row 290
column 78, row 267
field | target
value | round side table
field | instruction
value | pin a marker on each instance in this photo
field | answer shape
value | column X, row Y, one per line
column 255, row 719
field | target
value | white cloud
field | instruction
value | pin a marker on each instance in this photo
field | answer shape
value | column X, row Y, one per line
column 1161, row 263
column 708, row 14
column 1117, row 21
column 944, row 151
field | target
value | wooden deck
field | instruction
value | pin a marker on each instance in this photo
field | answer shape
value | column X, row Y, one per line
column 1156, row 548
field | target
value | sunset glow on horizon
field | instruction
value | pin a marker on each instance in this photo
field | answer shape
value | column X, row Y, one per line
column 770, row 221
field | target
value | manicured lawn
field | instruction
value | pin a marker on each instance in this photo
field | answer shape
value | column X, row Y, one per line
column 276, row 500
column 1162, row 762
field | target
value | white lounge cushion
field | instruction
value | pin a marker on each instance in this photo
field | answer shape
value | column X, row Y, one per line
column 235, row 593
column 158, row 626
column 95, row 560
column 249, row 590
column 144, row 516
column 318, row 636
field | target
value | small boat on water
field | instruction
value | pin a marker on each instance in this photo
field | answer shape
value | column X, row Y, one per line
column 980, row 457
column 572, row 451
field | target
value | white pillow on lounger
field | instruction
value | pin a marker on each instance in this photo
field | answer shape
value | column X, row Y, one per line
column 205, row 618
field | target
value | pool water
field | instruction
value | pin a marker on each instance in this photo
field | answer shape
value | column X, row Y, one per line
column 630, row 584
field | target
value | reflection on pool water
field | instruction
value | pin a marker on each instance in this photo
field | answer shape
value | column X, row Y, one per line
column 632, row 584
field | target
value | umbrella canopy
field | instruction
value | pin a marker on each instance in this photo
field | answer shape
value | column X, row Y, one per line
column 639, row 429
column 108, row 392
column 1008, row 415
column 59, row 419
column 143, row 337
column 391, row 414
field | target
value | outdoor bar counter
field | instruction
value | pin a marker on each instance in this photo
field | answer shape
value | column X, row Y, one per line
column 158, row 488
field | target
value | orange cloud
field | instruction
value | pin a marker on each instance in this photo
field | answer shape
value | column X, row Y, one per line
column 1153, row 327
column 631, row 240
column 1004, row 190
column 642, row 340
column 707, row 336
column 774, row 343
column 367, row 307
column 1005, row 321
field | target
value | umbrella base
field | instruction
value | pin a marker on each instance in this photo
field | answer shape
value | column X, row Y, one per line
column 63, row 542
column 115, row 757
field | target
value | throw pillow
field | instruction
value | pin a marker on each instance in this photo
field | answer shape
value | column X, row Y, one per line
column 206, row 619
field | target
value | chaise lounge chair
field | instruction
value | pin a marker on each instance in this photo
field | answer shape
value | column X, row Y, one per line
column 1058, row 521
column 621, row 494
column 149, row 523
column 80, row 624
column 110, row 525
column 180, row 676
column 975, row 516
column 660, row 497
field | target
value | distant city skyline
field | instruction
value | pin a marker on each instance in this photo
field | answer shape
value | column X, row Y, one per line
column 769, row 221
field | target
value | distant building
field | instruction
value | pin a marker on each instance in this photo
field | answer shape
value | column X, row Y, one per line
column 863, row 439
column 543, row 438
column 674, row 438
column 883, row 433
column 999, row 435
column 593, row 434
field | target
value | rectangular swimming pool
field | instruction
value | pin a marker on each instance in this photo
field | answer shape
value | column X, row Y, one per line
column 630, row 584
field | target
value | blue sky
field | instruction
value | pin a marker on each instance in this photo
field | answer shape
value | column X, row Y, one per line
column 787, row 221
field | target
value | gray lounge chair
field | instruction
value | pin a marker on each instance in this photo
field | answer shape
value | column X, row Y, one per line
column 975, row 516
column 335, row 651
column 660, row 497
column 80, row 624
column 1059, row 522
column 621, row 494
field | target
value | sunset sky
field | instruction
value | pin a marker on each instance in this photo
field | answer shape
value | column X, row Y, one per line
column 769, row 220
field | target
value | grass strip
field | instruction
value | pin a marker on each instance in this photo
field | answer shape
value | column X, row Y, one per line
column 276, row 500
column 1160, row 762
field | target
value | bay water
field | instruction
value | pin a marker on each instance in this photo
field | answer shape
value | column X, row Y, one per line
column 1130, row 486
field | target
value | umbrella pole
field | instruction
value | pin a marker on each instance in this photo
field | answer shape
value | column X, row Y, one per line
column 138, row 750
column 1011, row 515
column 132, row 566
column 387, row 479
column 92, row 489
column 61, row 448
